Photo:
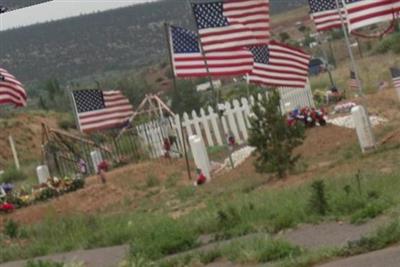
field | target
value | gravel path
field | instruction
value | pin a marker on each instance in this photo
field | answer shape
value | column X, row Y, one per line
column 102, row 257
column 389, row 257
column 330, row 234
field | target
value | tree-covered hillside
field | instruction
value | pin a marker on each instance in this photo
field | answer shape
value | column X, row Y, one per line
column 14, row 4
column 93, row 44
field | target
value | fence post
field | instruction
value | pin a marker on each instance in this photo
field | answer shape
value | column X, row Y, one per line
column 232, row 123
column 240, row 119
column 214, row 124
column 204, row 121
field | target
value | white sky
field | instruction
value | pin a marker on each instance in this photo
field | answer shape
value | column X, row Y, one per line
column 59, row 9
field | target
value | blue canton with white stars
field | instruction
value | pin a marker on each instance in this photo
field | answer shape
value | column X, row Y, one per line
column 210, row 15
column 184, row 41
column 260, row 53
column 323, row 5
column 395, row 72
column 89, row 100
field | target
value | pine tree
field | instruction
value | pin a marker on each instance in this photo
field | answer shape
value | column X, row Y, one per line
column 273, row 138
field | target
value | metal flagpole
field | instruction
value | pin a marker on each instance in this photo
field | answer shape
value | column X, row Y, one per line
column 220, row 113
column 169, row 50
column 326, row 58
column 74, row 108
column 346, row 36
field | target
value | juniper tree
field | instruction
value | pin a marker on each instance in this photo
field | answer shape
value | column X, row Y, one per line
column 273, row 138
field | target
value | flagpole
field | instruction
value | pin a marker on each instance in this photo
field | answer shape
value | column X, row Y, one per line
column 168, row 39
column 327, row 60
column 203, row 53
column 346, row 36
column 74, row 108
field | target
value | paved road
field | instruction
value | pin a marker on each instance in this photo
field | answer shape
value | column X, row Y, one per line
column 102, row 257
column 389, row 257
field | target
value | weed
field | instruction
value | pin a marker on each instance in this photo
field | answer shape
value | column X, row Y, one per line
column 152, row 181
column 12, row 175
column 185, row 192
column 318, row 202
column 172, row 180
column 11, row 229
column 370, row 211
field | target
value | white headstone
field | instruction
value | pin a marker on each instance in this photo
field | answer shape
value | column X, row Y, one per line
column 43, row 174
column 96, row 159
column 363, row 127
column 200, row 155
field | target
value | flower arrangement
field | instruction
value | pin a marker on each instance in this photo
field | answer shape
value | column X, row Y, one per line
column 311, row 117
column 344, row 107
column 52, row 188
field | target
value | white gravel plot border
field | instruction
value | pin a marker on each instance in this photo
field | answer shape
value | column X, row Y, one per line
column 347, row 121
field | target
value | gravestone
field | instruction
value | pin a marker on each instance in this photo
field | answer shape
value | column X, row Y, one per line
column 363, row 128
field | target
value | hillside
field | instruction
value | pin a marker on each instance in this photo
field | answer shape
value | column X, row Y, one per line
column 14, row 4
column 110, row 41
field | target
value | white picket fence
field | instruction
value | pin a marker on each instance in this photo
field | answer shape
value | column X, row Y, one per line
column 235, row 120
column 213, row 128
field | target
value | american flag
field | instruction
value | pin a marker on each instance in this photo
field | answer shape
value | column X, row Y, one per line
column 396, row 77
column 279, row 65
column 325, row 14
column 353, row 82
column 361, row 13
column 100, row 110
column 232, row 23
column 188, row 60
column 11, row 90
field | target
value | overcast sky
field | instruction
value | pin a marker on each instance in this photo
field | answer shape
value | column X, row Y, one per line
column 59, row 9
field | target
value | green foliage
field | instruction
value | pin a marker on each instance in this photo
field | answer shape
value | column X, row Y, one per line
column 318, row 202
column 11, row 229
column 12, row 175
column 383, row 237
column 76, row 185
column 152, row 181
column 260, row 250
column 387, row 44
column 273, row 138
column 54, row 97
column 47, row 194
column 370, row 211
column 186, row 98
column 67, row 122
column 170, row 236
column 284, row 36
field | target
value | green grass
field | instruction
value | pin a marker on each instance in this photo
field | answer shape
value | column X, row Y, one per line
column 229, row 213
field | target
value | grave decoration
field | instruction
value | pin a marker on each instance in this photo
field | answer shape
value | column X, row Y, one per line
column 344, row 107
column 52, row 188
column 311, row 117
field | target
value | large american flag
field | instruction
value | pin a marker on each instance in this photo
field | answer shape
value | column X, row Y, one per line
column 361, row 13
column 232, row 23
column 396, row 77
column 279, row 65
column 12, row 91
column 188, row 60
column 99, row 110
column 326, row 15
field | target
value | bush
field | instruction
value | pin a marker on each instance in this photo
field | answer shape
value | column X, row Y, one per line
column 273, row 138
column 11, row 229
column 41, row 263
column 12, row 175
column 76, row 185
column 66, row 123
column 46, row 194
column 318, row 202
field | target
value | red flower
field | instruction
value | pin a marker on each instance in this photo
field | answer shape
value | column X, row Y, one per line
column 7, row 207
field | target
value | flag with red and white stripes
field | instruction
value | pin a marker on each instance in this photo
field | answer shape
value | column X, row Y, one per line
column 232, row 23
column 279, row 65
column 12, row 91
column 99, row 110
column 188, row 60
column 361, row 13
column 396, row 78
column 326, row 15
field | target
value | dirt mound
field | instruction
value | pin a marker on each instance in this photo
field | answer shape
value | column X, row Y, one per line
column 125, row 187
column 27, row 132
